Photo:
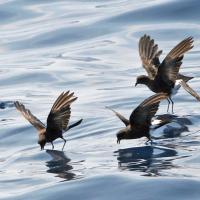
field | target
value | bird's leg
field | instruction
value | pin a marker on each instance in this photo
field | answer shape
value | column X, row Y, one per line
column 168, row 104
column 52, row 145
column 64, row 143
column 149, row 140
column 172, row 105
column 146, row 142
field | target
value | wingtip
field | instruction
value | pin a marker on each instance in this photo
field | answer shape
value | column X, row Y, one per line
column 198, row 98
column 72, row 100
column 190, row 90
column 190, row 38
column 80, row 121
column 144, row 37
column 72, row 93
column 107, row 107
column 17, row 104
column 110, row 109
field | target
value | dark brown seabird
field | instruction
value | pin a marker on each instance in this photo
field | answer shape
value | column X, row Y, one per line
column 164, row 77
column 57, row 121
column 140, row 120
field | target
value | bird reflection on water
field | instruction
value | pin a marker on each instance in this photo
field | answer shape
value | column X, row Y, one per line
column 148, row 159
column 60, row 165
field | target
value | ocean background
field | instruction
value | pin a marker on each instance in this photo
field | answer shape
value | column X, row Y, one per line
column 91, row 47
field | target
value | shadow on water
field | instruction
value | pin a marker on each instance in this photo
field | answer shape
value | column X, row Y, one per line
column 148, row 159
column 60, row 165
column 174, row 128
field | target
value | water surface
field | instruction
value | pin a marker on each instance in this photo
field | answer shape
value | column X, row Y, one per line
column 91, row 48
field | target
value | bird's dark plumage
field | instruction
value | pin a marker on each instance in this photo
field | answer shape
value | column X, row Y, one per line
column 162, row 76
column 140, row 119
column 121, row 117
column 149, row 55
column 57, row 121
column 190, row 90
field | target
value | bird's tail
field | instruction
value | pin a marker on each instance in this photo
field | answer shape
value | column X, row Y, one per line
column 190, row 90
column 161, row 120
column 74, row 124
column 185, row 78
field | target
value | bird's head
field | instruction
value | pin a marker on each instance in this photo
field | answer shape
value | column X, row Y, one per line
column 142, row 80
column 123, row 134
column 42, row 141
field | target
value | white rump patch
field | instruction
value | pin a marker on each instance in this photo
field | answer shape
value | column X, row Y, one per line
column 176, row 86
column 156, row 122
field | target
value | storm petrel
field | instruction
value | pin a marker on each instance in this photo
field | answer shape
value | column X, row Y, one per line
column 57, row 121
column 164, row 77
column 140, row 121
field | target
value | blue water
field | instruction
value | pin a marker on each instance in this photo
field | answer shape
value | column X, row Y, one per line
column 91, row 48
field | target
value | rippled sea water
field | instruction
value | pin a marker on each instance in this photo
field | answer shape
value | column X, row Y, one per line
column 91, row 47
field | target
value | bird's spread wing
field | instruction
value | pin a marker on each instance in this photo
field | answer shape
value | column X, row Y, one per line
column 59, row 115
column 149, row 55
column 169, row 68
column 29, row 116
column 143, row 114
column 189, row 90
column 121, row 117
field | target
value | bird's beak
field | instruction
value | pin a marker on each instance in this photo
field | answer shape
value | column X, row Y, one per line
column 118, row 141
column 136, row 84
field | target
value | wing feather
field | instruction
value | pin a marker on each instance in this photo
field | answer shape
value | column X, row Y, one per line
column 149, row 55
column 190, row 90
column 143, row 114
column 29, row 116
column 169, row 68
column 59, row 115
